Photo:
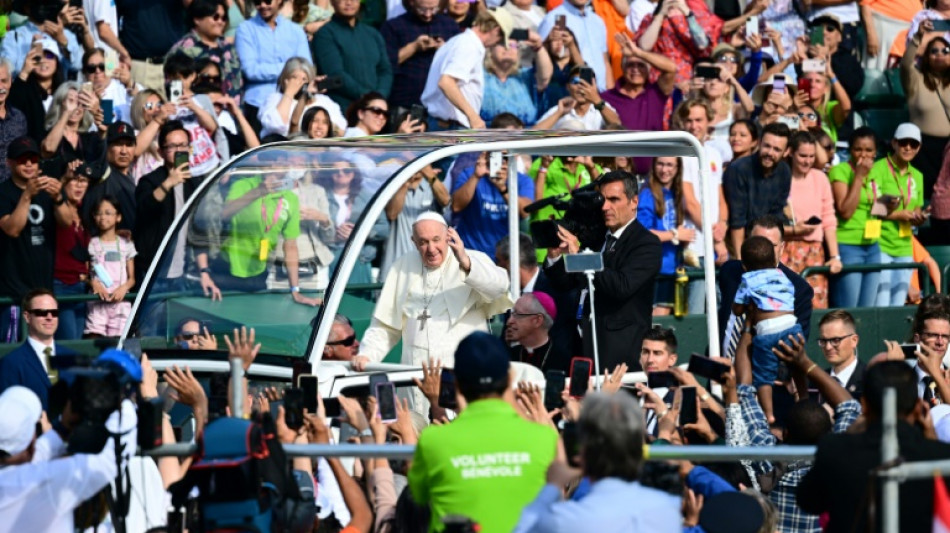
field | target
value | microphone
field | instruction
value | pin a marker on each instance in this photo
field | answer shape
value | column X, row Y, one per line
column 541, row 204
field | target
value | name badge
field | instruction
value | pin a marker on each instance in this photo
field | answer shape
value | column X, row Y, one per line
column 265, row 248
column 872, row 229
column 903, row 229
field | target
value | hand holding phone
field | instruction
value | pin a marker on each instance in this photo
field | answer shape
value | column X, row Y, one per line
column 581, row 368
column 813, row 221
column 688, row 411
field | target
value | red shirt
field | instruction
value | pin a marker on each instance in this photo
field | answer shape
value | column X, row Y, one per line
column 67, row 268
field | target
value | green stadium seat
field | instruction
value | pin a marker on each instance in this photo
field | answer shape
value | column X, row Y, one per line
column 941, row 255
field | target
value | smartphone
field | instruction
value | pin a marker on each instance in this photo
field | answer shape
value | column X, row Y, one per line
column 175, row 91
column 386, row 398
column 941, row 25
column 218, row 395
column 752, row 25
column 53, row 167
column 494, row 163
column 804, row 85
column 554, row 381
column 75, row 3
column 813, row 65
column 817, row 35
column 418, row 113
column 87, row 87
column 688, row 413
column 447, row 392
column 887, row 198
column 581, row 368
column 518, row 35
column 181, row 158
column 706, row 367
column 813, row 221
column 661, row 380
column 763, row 28
column 778, row 85
column 299, row 367
column 586, row 74
column 308, row 384
column 793, row 123
column 544, row 234
column 561, row 22
column 376, row 379
column 910, row 351
column 707, row 72
column 330, row 83
column 569, row 435
column 108, row 113
column 111, row 60
column 332, row 407
column 293, row 408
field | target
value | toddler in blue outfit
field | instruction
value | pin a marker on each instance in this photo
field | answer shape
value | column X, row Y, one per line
column 767, row 298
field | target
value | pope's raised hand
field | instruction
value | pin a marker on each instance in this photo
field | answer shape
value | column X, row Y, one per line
column 458, row 248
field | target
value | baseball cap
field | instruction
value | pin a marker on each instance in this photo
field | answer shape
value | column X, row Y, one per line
column 21, row 410
column 50, row 45
column 122, row 361
column 503, row 18
column 481, row 360
column 22, row 146
column 907, row 130
column 120, row 130
column 827, row 18
column 547, row 303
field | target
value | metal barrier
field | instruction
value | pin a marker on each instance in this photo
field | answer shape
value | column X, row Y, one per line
column 924, row 275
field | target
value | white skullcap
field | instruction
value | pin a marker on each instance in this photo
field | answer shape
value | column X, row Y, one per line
column 21, row 411
column 431, row 215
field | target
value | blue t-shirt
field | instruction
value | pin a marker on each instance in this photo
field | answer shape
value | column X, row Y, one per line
column 647, row 215
column 514, row 95
column 485, row 220
column 769, row 289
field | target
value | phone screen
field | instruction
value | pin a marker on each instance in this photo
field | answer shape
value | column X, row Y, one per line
column 817, row 35
column 910, row 351
column 447, row 392
column 571, row 443
column 108, row 114
column 561, row 21
column 707, row 72
column 688, row 407
column 586, row 74
column 332, row 407
column 706, row 367
column 181, row 158
column 661, row 380
column 778, row 86
column 554, row 385
column 308, row 384
column 494, row 163
column 580, row 376
column 518, row 35
column 376, row 379
column 386, row 396
column 941, row 25
column 218, row 395
column 293, row 408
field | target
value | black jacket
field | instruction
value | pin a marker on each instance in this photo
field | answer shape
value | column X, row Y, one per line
column 855, row 384
column 838, row 481
column 730, row 275
column 154, row 217
column 623, row 296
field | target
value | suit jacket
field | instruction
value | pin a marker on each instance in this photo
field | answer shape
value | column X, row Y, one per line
column 22, row 367
column 624, row 296
column 730, row 275
column 837, row 482
column 855, row 384
column 565, row 325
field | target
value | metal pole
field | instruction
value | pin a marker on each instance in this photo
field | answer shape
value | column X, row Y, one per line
column 710, row 198
column 514, row 230
column 890, row 503
column 237, row 388
column 593, row 327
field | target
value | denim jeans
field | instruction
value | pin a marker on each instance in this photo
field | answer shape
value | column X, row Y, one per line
column 764, row 362
column 857, row 289
column 72, row 316
column 894, row 283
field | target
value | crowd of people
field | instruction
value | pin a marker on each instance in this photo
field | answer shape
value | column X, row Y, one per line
column 113, row 114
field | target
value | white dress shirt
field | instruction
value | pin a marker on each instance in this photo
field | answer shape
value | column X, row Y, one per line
column 38, row 347
column 846, row 372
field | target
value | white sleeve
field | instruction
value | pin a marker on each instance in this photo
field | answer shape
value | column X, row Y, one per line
column 271, row 122
column 49, row 446
column 378, row 340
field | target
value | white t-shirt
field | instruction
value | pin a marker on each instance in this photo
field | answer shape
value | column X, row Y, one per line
column 639, row 9
column 592, row 120
column 101, row 11
column 272, row 123
column 691, row 176
column 460, row 57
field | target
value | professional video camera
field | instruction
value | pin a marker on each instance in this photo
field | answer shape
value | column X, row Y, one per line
column 582, row 217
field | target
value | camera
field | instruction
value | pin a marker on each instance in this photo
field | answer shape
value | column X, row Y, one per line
column 582, row 217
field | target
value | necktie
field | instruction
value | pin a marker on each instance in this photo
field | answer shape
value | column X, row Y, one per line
column 611, row 242
column 733, row 335
column 929, row 386
column 48, row 360
column 837, row 380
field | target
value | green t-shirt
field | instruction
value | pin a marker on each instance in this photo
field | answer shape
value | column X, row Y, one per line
column 559, row 180
column 828, row 120
column 909, row 187
column 851, row 230
column 487, row 465
column 280, row 216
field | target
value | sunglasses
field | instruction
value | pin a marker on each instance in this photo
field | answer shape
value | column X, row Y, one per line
column 218, row 17
column 31, row 159
column 378, row 110
column 44, row 312
column 904, row 143
column 808, row 116
column 91, row 68
column 831, row 27
column 152, row 105
column 265, row 2
column 938, row 51
column 344, row 342
column 728, row 59
column 188, row 336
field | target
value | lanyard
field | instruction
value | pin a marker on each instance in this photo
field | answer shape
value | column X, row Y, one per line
column 280, row 205
column 567, row 183
column 894, row 173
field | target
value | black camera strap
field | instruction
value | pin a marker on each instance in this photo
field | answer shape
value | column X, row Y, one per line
column 119, row 503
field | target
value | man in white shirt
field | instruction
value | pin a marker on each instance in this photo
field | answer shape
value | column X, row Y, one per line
column 658, row 354
column 584, row 104
column 104, row 25
column 456, row 82
column 838, row 340
column 932, row 331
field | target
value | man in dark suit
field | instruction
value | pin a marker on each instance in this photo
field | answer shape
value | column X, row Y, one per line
column 730, row 275
column 527, row 333
column 837, row 483
column 624, row 289
column 838, row 340
column 29, row 365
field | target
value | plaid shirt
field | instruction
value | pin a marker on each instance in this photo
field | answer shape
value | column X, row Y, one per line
column 791, row 518
column 409, row 78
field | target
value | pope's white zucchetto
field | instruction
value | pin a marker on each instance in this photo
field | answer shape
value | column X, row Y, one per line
column 430, row 215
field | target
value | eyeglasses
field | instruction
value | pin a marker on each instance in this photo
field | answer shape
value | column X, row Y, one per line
column 926, row 335
column 91, row 68
column 176, row 147
column 218, row 17
column 937, row 51
column 522, row 315
column 343, row 342
column 49, row 55
column 378, row 110
column 152, row 105
column 427, row 10
column 215, row 80
column 728, row 59
column 904, row 143
column 341, row 171
column 31, row 159
column 834, row 341
column 265, row 2
column 808, row 116
column 44, row 312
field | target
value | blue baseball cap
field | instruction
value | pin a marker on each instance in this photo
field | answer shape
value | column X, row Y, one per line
column 481, row 360
column 122, row 361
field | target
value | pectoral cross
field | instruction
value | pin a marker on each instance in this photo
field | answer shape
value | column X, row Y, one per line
column 423, row 316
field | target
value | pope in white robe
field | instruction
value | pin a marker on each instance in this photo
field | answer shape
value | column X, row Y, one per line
column 433, row 299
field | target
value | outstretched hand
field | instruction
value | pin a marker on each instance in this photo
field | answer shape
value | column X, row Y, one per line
column 458, row 248
column 243, row 347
